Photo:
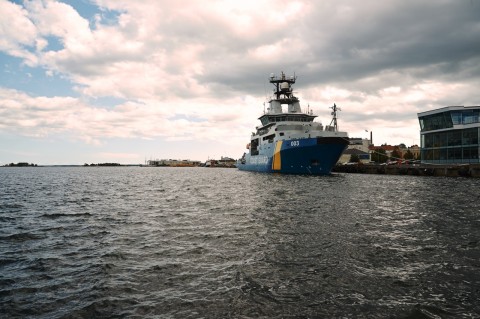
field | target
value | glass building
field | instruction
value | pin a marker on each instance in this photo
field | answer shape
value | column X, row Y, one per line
column 450, row 135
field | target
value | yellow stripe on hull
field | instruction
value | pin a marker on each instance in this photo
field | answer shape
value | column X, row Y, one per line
column 277, row 162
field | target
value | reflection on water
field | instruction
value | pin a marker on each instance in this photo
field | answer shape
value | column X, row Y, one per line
column 215, row 243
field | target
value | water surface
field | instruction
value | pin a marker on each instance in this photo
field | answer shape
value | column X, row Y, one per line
column 131, row 242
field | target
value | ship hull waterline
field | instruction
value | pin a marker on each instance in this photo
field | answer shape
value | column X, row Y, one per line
column 310, row 156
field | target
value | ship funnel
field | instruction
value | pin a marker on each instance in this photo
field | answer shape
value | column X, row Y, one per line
column 275, row 107
column 294, row 108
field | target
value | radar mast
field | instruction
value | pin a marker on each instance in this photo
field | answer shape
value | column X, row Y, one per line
column 334, row 119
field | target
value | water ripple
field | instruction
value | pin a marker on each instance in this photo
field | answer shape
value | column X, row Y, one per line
column 219, row 243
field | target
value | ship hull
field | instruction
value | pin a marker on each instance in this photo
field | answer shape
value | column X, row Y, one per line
column 311, row 156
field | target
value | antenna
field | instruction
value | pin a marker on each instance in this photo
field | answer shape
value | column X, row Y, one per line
column 265, row 89
column 334, row 119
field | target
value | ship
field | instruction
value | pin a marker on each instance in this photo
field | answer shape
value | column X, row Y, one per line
column 289, row 141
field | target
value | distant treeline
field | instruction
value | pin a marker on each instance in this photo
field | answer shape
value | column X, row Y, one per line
column 103, row 164
column 20, row 164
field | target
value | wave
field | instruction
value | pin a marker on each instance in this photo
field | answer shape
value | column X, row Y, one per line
column 22, row 237
column 60, row 215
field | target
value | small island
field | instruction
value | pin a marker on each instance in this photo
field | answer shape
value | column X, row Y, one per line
column 103, row 164
column 21, row 164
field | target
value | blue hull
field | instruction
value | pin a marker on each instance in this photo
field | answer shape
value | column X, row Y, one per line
column 312, row 156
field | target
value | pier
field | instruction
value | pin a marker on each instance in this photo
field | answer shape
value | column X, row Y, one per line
column 464, row 170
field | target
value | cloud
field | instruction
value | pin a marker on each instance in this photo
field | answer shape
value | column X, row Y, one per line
column 189, row 70
column 41, row 117
column 116, row 156
column 17, row 32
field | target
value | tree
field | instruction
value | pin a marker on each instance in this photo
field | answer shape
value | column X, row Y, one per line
column 408, row 155
column 379, row 156
column 354, row 158
column 396, row 154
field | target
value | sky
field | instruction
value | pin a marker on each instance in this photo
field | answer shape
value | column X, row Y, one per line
column 95, row 81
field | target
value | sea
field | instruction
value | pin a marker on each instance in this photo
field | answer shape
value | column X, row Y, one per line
column 150, row 242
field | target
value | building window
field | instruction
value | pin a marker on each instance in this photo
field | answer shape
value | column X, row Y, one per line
column 466, row 153
column 427, row 155
column 474, row 153
column 454, row 138
column 436, row 122
column 455, row 153
column 470, row 136
column 443, row 154
column 456, row 117
column 443, row 139
column 470, row 153
column 470, row 117
column 428, row 140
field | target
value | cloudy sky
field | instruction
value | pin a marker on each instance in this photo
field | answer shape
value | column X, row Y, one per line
column 89, row 81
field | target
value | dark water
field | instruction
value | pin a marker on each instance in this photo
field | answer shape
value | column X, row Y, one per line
column 218, row 243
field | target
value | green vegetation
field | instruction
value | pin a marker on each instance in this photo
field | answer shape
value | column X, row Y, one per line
column 354, row 158
column 396, row 154
column 408, row 155
column 379, row 156
column 20, row 164
column 103, row 164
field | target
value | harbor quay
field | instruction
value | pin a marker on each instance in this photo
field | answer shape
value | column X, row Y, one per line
column 447, row 170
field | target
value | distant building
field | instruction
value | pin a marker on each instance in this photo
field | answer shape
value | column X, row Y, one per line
column 415, row 150
column 358, row 143
column 387, row 148
column 222, row 162
column 403, row 150
column 450, row 135
column 173, row 163
column 364, row 157
column 364, row 149
column 357, row 146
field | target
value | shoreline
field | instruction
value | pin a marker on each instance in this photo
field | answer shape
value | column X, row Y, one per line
column 462, row 170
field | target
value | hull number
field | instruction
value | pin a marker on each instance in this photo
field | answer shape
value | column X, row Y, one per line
column 295, row 143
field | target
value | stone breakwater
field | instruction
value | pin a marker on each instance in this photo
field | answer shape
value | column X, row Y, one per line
column 465, row 170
